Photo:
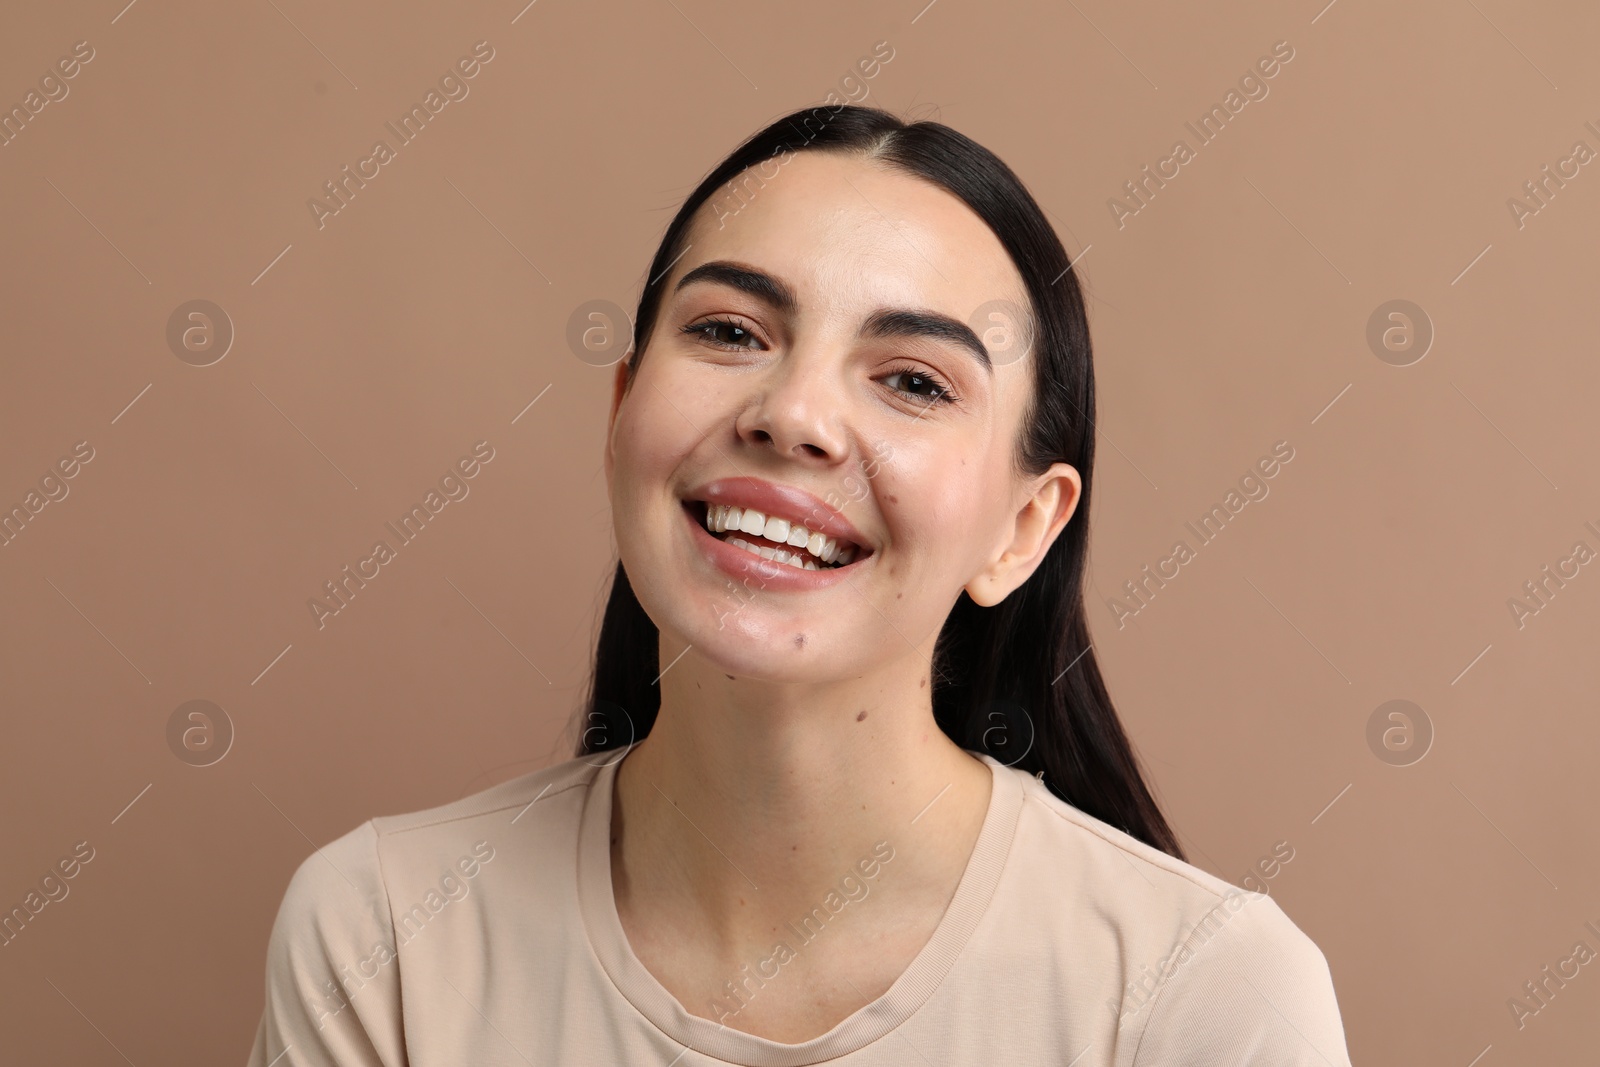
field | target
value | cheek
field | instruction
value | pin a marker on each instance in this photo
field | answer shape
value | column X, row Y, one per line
column 634, row 431
column 651, row 432
column 972, row 513
column 933, row 507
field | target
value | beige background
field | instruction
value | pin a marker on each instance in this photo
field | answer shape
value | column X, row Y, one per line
column 369, row 355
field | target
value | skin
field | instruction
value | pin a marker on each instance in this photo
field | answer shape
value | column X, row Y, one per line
column 762, row 783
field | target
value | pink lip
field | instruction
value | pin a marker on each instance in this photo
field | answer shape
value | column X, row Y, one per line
column 757, row 574
column 785, row 502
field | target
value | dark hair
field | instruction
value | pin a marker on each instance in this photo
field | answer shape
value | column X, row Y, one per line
column 1018, row 680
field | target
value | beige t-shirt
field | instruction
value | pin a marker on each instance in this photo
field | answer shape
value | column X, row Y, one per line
column 484, row 932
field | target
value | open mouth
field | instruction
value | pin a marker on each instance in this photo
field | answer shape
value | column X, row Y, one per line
column 774, row 538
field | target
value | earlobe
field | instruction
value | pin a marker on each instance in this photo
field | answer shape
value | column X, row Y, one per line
column 984, row 592
column 997, row 581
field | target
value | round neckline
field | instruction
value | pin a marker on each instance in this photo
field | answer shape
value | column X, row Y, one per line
column 597, row 902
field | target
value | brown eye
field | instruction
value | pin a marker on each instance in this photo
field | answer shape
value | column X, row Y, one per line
column 926, row 386
column 723, row 333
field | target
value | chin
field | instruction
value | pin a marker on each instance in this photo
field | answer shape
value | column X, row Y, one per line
column 756, row 644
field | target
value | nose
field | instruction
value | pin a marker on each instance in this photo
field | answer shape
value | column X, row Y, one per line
column 797, row 411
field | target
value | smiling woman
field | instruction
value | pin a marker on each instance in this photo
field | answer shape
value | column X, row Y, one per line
column 911, row 669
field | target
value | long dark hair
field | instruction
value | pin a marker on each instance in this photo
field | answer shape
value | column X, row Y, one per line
column 1018, row 680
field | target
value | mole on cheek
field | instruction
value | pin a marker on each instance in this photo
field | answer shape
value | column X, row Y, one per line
column 799, row 640
column 862, row 716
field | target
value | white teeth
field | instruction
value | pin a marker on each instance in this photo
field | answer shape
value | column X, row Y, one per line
column 722, row 518
column 776, row 555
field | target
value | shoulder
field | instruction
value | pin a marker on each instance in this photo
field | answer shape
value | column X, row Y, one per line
column 1213, row 973
column 1133, row 880
column 545, row 789
column 342, row 889
column 332, row 922
column 335, row 903
column 333, row 985
column 1248, row 988
column 348, row 880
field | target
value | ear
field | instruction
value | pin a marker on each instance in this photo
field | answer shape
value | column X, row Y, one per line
column 1052, row 500
column 619, row 389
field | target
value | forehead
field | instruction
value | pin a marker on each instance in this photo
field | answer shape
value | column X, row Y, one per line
column 851, row 235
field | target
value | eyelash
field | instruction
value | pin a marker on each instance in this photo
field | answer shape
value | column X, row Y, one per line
column 943, row 396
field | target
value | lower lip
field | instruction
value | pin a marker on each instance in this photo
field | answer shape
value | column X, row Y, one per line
column 763, row 573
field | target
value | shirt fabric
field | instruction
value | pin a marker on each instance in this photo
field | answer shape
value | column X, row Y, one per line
column 484, row 932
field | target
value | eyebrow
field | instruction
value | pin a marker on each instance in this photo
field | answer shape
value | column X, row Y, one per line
column 883, row 322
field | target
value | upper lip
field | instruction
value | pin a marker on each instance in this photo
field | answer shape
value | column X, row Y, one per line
column 796, row 505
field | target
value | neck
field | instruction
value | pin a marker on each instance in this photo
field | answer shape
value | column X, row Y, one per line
column 750, row 801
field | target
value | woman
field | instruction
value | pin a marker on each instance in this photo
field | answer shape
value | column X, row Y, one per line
column 850, row 786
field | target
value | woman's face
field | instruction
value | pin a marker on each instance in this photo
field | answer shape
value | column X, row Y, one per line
column 818, row 371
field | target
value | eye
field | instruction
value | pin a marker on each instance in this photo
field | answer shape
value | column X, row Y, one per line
column 918, row 379
column 711, row 328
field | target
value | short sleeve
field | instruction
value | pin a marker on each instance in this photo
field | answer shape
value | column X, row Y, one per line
column 333, row 983
column 1252, row 991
